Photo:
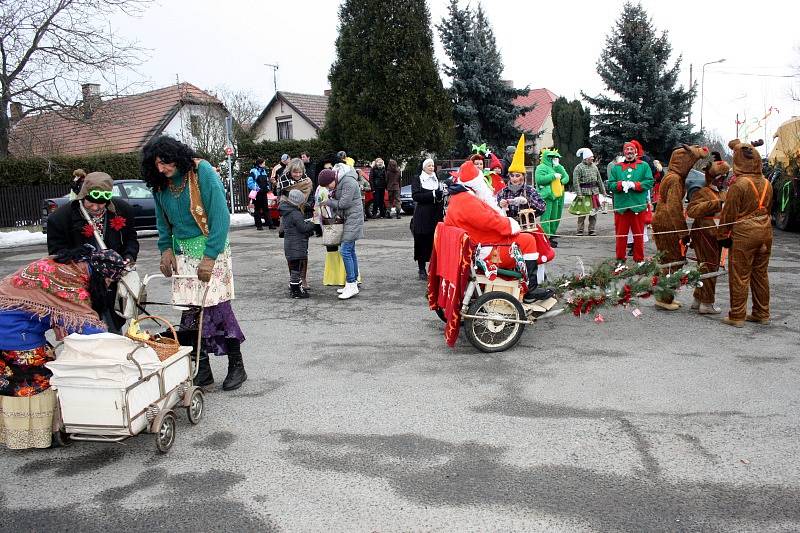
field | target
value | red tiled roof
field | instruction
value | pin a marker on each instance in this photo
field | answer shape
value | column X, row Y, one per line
column 533, row 120
column 312, row 107
column 119, row 125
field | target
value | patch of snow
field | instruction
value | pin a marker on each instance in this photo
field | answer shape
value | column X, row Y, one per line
column 12, row 239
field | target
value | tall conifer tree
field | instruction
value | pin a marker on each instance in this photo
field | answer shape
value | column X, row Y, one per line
column 646, row 103
column 570, row 130
column 386, row 95
column 484, row 109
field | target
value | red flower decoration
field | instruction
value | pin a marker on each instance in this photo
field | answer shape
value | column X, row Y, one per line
column 88, row 231
column 118, row 222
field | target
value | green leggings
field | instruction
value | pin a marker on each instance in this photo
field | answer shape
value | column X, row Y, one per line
column 552, row 212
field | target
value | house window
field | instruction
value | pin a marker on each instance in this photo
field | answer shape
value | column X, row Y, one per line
column 194, row 123
column 285, row 128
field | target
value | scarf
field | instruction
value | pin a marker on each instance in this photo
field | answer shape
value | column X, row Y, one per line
column 428, row 181
column 46, row 288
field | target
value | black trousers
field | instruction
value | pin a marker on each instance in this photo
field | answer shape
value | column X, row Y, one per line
column 378, row 201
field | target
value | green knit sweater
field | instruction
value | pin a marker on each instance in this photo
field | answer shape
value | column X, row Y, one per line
column 181, row 220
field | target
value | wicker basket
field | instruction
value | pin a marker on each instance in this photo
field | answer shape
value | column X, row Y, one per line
column 163, row 346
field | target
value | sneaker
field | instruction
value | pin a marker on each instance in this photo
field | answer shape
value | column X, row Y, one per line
column 592, row 233
column 708, row 309
column 350, row 290
column 579, row 233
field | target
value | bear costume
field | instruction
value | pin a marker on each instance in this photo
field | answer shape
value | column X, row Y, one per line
column 704, row 208
column 746, row 229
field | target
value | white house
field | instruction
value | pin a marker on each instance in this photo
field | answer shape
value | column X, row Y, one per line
column 123, row 124
column 291, row 116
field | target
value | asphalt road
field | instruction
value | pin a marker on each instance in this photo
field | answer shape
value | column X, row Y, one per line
column 357, row 417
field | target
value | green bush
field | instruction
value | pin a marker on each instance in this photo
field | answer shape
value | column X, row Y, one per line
column 40, row 170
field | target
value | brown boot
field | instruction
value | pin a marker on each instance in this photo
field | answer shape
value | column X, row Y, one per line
column 762, row 321
column 734, row 323
column 672, row 306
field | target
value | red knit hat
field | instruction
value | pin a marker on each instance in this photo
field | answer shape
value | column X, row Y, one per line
column 495, row 163
column 467, row 172
column 639, row 148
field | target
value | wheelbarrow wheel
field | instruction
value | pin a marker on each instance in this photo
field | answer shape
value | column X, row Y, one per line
column 196, row 408
column 440, row 314
column 165, row 435
column 61, row 439
column 491, row 332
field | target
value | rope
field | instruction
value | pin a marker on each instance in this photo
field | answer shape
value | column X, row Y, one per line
column 687, row 230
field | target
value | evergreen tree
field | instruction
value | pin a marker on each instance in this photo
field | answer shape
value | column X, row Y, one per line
column 647, row 104
column 484, row 109
column 570, row 130
column 386, row 95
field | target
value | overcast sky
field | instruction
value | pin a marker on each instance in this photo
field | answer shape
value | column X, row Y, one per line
column 553, row 45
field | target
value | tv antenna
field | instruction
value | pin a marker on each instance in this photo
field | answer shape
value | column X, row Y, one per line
column 274, row 74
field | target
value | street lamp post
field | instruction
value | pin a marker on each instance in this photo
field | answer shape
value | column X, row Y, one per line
column 702, row 82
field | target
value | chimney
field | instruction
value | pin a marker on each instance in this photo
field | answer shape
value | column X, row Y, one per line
column 327, row 92
column 91, row 99
column 16, row 112
column 508, row 83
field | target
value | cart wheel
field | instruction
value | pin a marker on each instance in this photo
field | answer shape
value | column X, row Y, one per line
column 440, row 314
column 196, row 408
column 490, row 333
column 165, row 436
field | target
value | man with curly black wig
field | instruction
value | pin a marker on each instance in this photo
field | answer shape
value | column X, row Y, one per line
column 193, row 220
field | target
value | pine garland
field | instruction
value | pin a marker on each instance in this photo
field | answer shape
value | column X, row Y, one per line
column 609, row 284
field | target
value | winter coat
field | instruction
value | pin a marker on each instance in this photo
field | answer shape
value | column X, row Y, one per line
column 346, row 202
column 392, row 180
column 65, row 230
column 377, row 177
column 429, row 210
column 296, row 231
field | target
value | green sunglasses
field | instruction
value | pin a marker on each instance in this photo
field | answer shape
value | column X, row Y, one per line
column 100, row 195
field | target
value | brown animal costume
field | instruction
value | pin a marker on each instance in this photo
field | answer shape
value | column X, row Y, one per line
column 669, row 216
column 704, row 209
column 746, row 228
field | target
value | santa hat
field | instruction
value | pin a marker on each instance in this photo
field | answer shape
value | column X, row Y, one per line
column 467, row 172
column 494, row 163
column 584, row 153
column 518, row 163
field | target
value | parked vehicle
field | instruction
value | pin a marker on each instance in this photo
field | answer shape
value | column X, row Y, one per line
column 135, row 192
column 272, row 207
column 784, row 160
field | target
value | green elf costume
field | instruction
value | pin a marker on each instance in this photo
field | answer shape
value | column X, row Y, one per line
column 550, row 180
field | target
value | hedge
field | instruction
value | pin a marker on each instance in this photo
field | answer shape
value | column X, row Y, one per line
column 58, row 169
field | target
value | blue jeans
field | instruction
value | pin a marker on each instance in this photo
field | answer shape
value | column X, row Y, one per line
column 348, row 251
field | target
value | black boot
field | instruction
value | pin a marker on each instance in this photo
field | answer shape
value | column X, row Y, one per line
column 534, row 292
column 236, row 374
column 296, row 291
column 204, row 376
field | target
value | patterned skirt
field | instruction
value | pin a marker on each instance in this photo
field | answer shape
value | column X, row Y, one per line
column 219, row 321
column 27, row 403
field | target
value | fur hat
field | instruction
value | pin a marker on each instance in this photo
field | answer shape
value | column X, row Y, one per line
column 95, row 181
column 326, row 177
column 296, row 197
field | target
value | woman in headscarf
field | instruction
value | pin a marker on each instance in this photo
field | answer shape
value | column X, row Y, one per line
column 429, row 211
column 193, row 220
column 66, row 293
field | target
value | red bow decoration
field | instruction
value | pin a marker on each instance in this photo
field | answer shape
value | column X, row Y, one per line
column 118, row 222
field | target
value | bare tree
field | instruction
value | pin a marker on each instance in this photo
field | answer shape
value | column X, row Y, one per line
column 243, row 106
column 50, row 47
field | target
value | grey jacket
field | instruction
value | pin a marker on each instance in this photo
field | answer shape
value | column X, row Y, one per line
column 296, row 231
column 346, row 202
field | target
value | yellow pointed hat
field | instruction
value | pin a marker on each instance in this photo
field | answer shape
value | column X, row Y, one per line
column 518, row 163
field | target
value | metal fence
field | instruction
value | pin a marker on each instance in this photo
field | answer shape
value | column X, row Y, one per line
column 22, row 206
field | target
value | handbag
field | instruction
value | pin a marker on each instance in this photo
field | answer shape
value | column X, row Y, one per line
column 647, row 215
column 332, row 233
column 557, row 187
column 252, row 195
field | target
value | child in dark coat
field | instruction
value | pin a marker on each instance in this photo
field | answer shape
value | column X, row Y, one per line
column 296, row 231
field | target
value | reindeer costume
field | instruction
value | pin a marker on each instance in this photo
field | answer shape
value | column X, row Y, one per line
column 704, row 209
column 669, row 216
column 746, row 228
